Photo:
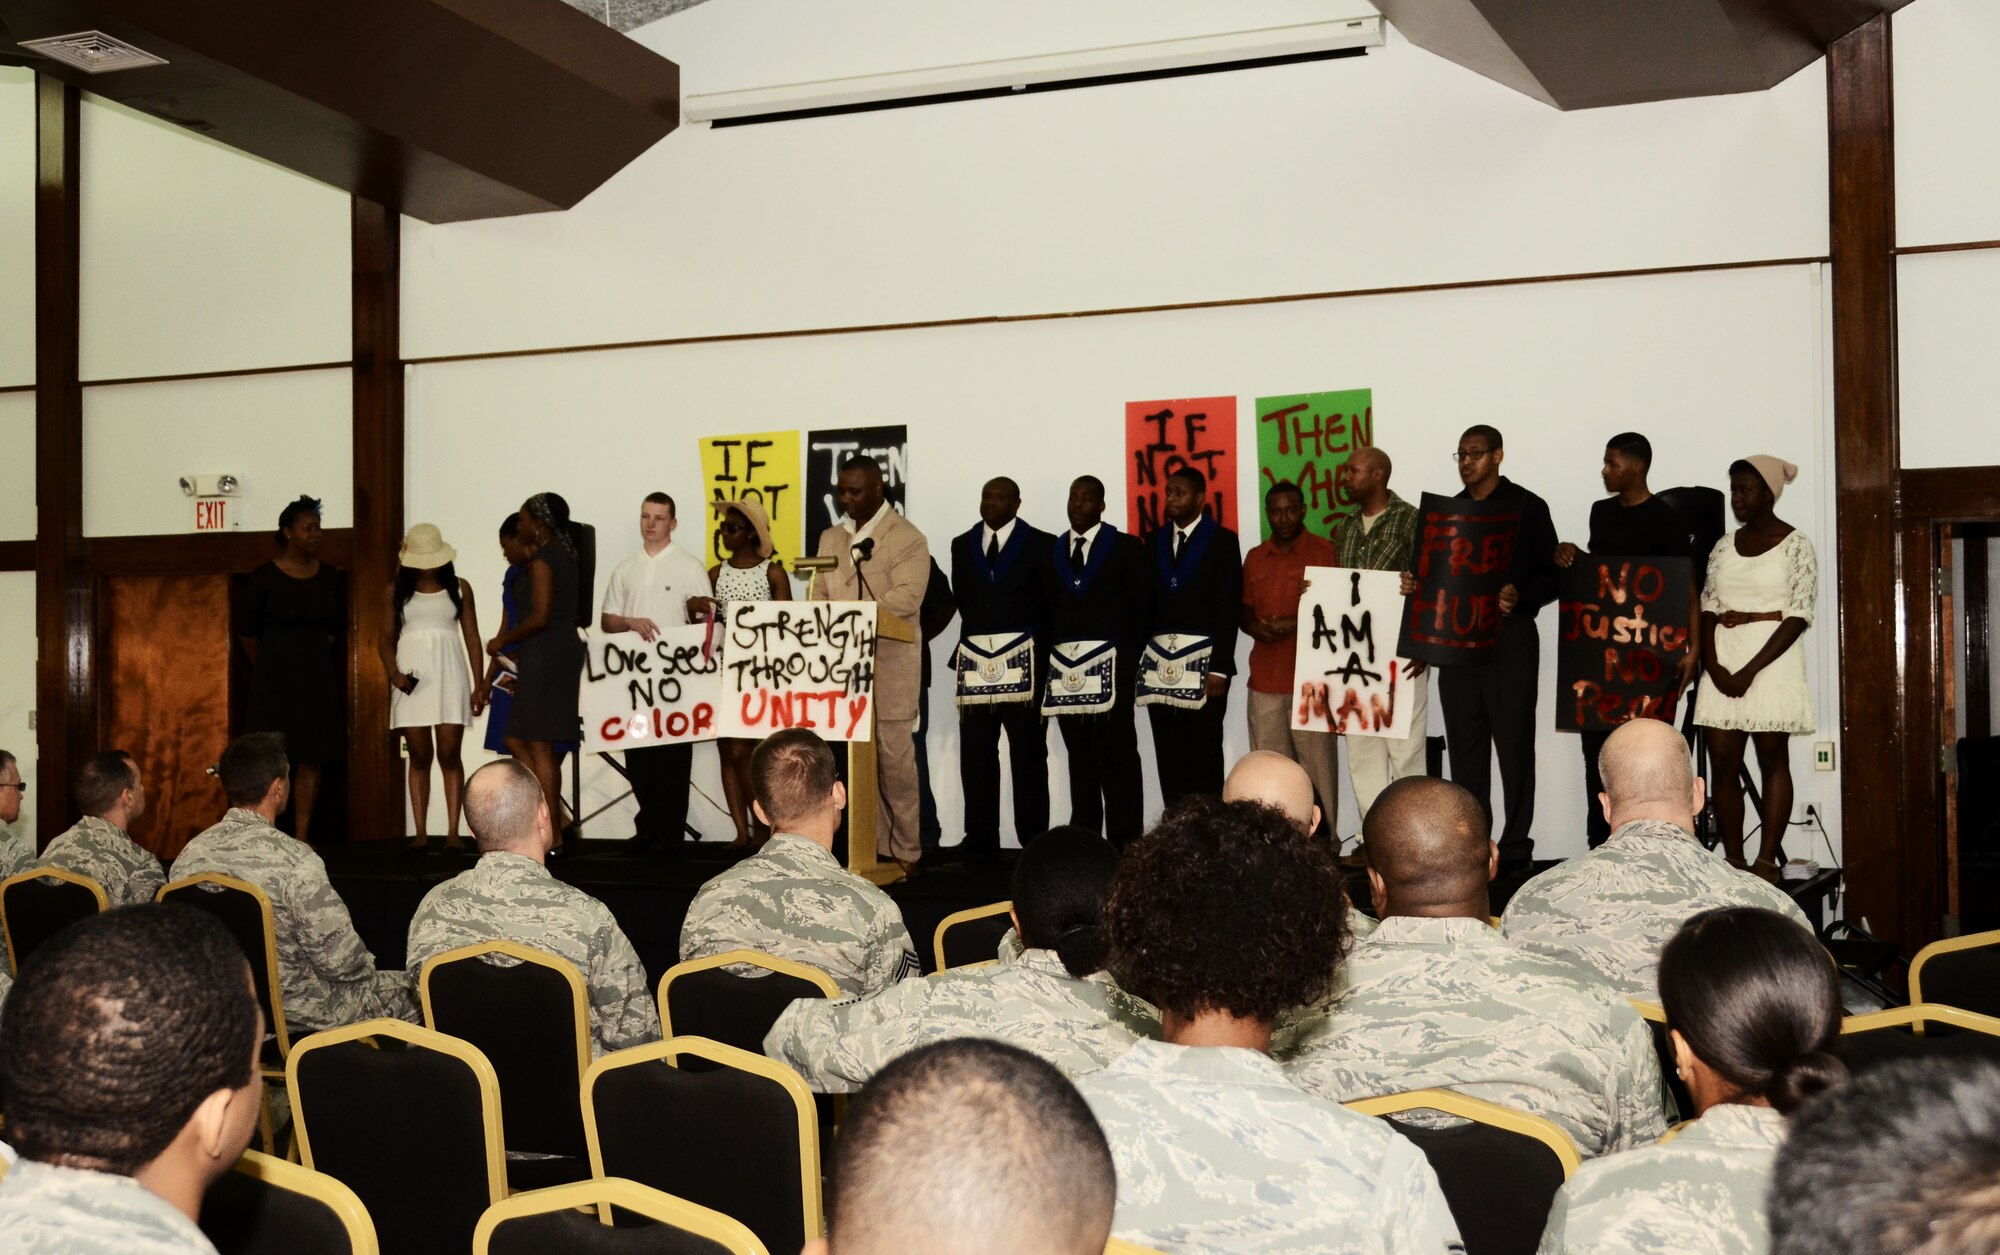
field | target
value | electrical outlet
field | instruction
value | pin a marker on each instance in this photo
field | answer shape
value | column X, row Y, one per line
column 1822, row 755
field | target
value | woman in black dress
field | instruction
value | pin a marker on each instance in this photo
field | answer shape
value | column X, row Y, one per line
column 549, row 653
column 293, row 611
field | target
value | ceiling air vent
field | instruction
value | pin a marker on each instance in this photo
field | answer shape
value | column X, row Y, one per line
column 93, row 52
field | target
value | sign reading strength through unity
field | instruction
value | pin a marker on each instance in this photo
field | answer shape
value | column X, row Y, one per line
column 798, row 664
column 1347, row 679
column 637, row 693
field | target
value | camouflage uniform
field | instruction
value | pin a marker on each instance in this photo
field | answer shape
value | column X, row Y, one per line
column 1218, row 1152
column 1700, row 1194
column 1033, row 1002
column 791, row 899
column 103, row 851
column 1447, row 1004
column 47, row 1210
column 327, row 975
column 1293, row 1025
column 1612, row 909
column 17, row 851
column 511, row 897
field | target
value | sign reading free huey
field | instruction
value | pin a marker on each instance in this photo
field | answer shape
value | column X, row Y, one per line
column 798, row 664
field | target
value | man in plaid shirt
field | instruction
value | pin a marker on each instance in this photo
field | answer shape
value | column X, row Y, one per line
column 1381, row 535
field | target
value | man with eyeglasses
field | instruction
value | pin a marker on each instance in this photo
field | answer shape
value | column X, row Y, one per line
column 1489, row 706
column 17, row 849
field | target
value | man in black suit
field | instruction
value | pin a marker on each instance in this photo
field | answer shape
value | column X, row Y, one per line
column 1099, row 602
column 996, row 571
column 1197, row 567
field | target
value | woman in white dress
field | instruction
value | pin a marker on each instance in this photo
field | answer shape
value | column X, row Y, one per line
column 1763, row 580
column 431, row 637
column 751, row 574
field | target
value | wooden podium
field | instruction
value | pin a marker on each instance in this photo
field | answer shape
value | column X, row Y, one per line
column 864, row 782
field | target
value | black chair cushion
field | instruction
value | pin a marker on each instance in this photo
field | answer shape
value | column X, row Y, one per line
column 540, row 1173
column 39, row 909
column 976, row 940
column 1499, row 1185
column 403, row 1128
column 244, row 1216
column 522, row 1018
column 734, row 1010
column 724, row 1139
column 244, row 919
column 1967, row 979
column 578, row 1234
column 1871, row 1049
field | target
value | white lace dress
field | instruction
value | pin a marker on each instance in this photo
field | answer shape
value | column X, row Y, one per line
column 432, row 649
column 1785, row 578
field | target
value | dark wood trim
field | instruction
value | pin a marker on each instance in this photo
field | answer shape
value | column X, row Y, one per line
column 66, row 667
column 17, row 555
column 1951, row 494
column 1875, row 676
column 229, row 553
column 986, row 320
column 17, row 387
column 1919, row 840
column 1978, row 652
column 374, row 778
column 1963, row 246
column 217, row 374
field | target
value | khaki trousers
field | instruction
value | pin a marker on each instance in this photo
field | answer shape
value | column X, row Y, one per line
column 1317, row 752
column 897, row 834
column 1376, row 762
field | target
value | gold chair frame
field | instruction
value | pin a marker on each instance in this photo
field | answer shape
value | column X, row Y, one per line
column 604, row 1193
column 345, row 1204
column 1970, row 941
column 963, row 917
column 1479, row 1111
column 579, row 999
column 43, row 873
column 669, row 1052
column 755, row 958
column 1918, row 1014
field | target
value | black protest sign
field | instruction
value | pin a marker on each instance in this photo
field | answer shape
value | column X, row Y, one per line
column 1624, row 631
column 1465, row 549
column 826, row 450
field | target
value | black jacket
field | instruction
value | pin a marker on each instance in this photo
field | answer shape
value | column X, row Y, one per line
column 1009, row 597
column 1111, row 599
column 1534, row 572
column 1203, row 596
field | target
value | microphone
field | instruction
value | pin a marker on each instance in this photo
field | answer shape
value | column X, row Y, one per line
column 864, row 551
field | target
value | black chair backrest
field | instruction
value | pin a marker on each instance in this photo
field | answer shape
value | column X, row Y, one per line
column 1877, row 1046
column 1966, row 979
column 243, row 916
column 975, row 940
column 245, row 1216
column 577, row 1234
column 38, row 909
column 403, row 1127
column 1979, row 800
column 1499, row 1185
column 724, row 1139
column 1663, row 1048
column 522, row 1019
column 734, row 1010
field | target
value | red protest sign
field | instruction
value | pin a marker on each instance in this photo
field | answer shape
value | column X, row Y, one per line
column 1163, row 436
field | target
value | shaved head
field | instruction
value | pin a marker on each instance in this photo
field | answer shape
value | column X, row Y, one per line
column 1648, row 774
column 969, row 1147
column 1271, row 778
column 1428, row 851
column 1370, row 458
column 503, row 800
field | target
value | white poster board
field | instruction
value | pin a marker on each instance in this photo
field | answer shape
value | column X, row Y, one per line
column 798, row 664
column 1346, row 678
column 637, row 694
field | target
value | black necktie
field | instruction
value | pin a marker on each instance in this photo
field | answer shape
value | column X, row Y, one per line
column 992, row 548
column 1076, row 554
column 1180, row 543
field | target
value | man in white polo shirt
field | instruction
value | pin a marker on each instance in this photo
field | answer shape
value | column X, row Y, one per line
column 648, row 593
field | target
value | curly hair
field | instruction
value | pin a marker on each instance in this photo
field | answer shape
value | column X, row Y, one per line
column 299, row 508
column 122, row 1024
column 1221, row 907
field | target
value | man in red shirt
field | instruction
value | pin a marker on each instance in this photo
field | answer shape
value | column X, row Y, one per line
column 1269, row 614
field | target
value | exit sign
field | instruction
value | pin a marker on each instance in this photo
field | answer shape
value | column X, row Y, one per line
column 214, row 514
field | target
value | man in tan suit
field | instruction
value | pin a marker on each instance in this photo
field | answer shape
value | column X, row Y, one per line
column 883, row 558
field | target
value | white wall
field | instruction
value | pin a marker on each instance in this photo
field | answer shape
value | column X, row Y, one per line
column 17, row 417
column 17, row 467
column 1559, row 367
column 17, row 684
column 17, row 227
column 1948, row 192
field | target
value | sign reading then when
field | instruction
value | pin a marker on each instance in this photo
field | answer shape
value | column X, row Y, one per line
column 1163, row 436
column 799, row 664
column 826, row 450
column 1306, row 440
column 761, row 467
column 1624, row 631
column 637, row 693
column 1465, row 549
column 1345, row 679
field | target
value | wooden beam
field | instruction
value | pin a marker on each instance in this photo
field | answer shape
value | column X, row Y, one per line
column 1918, row 842
column 1978, row 632
column 65, row 667
column 1874, row 674
column 188, row 553
column 1951, row 494
column 374, row 778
